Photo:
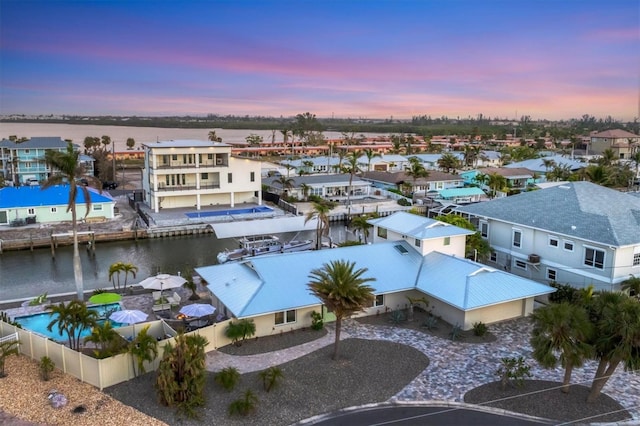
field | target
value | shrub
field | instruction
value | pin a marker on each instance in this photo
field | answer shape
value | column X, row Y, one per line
column 456, row 332
column 46, row 368
column 397, row 316
column 480, row 328
column 316, row 321
column 270, row 378
column 514, row 371
column 245, row 405
column 227, row 378
column 404, row 202
column 38, row 300
column 239, row 331
column 431, row 322
column 98, row 291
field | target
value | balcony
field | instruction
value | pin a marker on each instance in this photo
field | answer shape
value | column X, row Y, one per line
column 176, row 188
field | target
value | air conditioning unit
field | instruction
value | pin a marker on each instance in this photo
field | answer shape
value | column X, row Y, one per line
column 534, row 258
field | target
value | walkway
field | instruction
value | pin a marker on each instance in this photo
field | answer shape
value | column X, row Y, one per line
column 454, row 368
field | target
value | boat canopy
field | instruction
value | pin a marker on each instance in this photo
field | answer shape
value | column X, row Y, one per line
column 245, row 228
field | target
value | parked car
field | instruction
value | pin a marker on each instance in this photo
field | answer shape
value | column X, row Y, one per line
column 109, row 185
column 31, row 182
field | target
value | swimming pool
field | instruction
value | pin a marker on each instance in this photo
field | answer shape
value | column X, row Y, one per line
column 38, row 322
column 258, row 209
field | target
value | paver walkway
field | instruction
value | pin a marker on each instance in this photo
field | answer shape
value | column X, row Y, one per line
column 455, row 367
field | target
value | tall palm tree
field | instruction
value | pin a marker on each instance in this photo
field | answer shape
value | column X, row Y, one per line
column 213, row 137
column 72, row 319
column 285, row 182
column 305, row 190
column 120, row 267
column 343, row 290
column 415, row 171
column 448, row 162
column 370, row 156
column 496, row 182
column 359, row 223
column 565, row 329
column 352, row 168
column 320, row 211
column 68, row 169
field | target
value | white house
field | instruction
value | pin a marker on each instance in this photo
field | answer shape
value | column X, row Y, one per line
column 578, row 233
column 196, row 174
column 413, row 257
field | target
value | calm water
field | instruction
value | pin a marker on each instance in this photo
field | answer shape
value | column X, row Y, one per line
column 26, row 274
column 39, row 322
column 120, row 134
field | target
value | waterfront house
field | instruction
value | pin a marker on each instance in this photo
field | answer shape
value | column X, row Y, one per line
column 436, row 181
column 516, row 179
column 412, row 257
column 334, row 187
column 197, row 174
column 29, row 204
column 578, row 233
column 24, row 163
column 543, row 165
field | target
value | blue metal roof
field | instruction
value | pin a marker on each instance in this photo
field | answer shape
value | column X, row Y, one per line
column 268, row 284
column 33, row 196
column 418, row 227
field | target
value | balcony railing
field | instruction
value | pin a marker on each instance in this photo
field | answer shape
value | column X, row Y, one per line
column 164, row 187
column 188, row 166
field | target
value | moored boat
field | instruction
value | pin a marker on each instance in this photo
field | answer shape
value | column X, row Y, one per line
column 260, row 245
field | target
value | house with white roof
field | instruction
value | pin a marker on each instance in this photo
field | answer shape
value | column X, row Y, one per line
column 30, row 204
column 333, row 187
column 197, row 174
column 436, row 181
column 577, row 233
column 412, row 257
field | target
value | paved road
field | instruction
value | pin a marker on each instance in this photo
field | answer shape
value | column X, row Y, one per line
column 412, row 415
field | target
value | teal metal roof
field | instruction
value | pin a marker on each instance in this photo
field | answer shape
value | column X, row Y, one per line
column 460, row 192
column 268, row 284
column 33, row 196
column 418, row 227
column 582, row 210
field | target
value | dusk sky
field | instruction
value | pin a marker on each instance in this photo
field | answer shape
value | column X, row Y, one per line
column 554, row 59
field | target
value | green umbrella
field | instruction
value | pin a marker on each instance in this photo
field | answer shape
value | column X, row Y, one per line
column 102, row 298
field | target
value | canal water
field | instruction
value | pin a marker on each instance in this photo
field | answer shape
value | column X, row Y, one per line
column 26, row 274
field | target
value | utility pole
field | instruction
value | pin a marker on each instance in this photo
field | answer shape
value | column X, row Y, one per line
column 113, row 158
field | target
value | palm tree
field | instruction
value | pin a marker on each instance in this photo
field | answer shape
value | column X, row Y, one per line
column 352, row 168
column 320, row 211
column 359, row 223
column 598, row 174
column 213, row 137
column 563, row 328
column 632, row 286
column 105, row 337
column 285, row 182
column 143, row 348
column 617, row 336
column 448, row 162
column 72, row 319
column 496, row 182
column 305, row 190
column 608, row 156
column 342, row 290
column 370, row 156
column 70, row 171
column 415, row 171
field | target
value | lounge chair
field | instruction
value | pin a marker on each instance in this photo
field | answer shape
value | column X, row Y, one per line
column 161, row 307
column 156, row 295
column 175, row 299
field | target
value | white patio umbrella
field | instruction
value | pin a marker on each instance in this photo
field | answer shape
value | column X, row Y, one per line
column 197, row 310
column 128, row 316
column 162, row 282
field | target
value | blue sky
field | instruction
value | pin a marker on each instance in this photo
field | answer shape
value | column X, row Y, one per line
column 376, row 59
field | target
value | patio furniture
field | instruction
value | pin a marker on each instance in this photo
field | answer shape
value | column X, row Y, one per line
column 161, row 307
column 174, row 299
column 156, row 295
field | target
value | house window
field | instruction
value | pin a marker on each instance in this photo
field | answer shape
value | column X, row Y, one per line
column 517, row 238
column 204, row 176
column 230, row 177
column 636, row 259
column 31, row 211
column 174, row 157
column 97, row 207
column 553, row 241
column 209, row 156
column 252, row 177
column 494, row 256
column 520, row 264
column 378, row 300
column 382, row 233
column 484, row 229
column 166, row 178
column 594, row 258
column 568, row 245
column 285, row 317
column 552, row 274
column 447, row 241
column 54, row 210
column 417, row 242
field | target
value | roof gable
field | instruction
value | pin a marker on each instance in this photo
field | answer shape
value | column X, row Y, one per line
column 418, row 227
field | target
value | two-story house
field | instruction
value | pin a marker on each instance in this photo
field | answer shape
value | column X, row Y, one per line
column 24, row 163
column 622, row 143
column 197, row 174
column 577, row 233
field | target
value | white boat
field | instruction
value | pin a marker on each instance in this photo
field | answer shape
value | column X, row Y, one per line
column 262, row 244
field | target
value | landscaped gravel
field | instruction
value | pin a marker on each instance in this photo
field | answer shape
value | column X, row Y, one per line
column 260, row 345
